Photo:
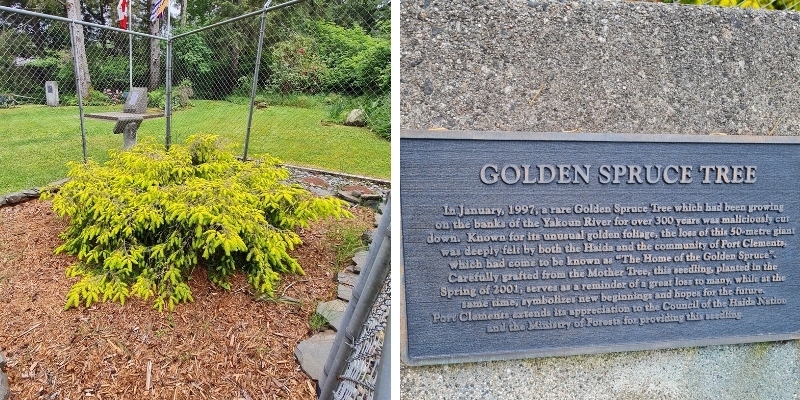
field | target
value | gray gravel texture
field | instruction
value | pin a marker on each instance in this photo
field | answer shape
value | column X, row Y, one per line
column 593, row 66
column 761, row 371
column 628, row 67
column 336, row 181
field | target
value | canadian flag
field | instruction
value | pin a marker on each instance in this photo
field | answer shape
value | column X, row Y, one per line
column 122, row 11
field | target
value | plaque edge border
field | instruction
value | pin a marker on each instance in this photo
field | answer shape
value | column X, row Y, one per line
column 593, row 137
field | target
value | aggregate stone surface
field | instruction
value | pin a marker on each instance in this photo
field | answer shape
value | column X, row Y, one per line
column 598, row 66
column 760, row 371
column 334, row 182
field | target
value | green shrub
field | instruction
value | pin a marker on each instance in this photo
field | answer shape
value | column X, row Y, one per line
column 140, row 223
column 180, row 96
column 378, row 116
column 296, row 67
column 157, row 98
column 113, row 72
column 357, row 63
column 96, row 98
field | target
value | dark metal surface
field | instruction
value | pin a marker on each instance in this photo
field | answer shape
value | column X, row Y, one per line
column 446, row 171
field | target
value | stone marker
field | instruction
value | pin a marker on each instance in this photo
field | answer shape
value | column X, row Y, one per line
column 136, row 103
column 553, row 244
column 355, row 118
column 51, row 93
column 127, row 126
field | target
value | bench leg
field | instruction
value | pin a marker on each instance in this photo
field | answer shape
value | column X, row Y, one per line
column 129, row 135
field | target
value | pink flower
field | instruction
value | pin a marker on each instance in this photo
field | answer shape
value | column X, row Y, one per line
column 301, row 51
column 304, row 72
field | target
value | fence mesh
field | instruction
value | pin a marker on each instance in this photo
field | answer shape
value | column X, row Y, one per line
column 358, row 378
column 320, row 60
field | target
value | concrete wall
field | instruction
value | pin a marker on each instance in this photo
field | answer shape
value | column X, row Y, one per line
column 604, row 67
column 599, row 66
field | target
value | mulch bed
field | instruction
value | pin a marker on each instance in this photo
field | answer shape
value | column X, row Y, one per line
column 224, row 345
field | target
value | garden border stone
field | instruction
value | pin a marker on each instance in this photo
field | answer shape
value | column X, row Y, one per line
column 5, row 390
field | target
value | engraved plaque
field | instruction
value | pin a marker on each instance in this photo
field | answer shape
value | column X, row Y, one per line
column 523, row 245
column 136, row 102
column 51, row 93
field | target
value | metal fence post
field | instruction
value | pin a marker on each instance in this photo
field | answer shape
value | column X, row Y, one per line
column 168, row 106
column 78, row 87
column 360, row 305
column 383, row 380
column 255, row 78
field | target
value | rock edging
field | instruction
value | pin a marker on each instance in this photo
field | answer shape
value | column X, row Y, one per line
column 5, row 390
column 28, row 194
column 312, row 353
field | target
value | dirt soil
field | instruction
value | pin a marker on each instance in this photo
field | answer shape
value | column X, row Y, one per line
column 225, row 345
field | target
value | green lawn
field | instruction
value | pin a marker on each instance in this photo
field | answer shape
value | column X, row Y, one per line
column 37, row 141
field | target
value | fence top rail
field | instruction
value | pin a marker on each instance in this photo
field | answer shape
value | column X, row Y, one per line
column 266, row 9
column 57, row 18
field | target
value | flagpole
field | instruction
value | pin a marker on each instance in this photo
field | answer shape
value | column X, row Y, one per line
column 130, row 48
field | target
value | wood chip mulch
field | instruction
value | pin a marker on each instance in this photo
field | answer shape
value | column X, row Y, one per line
column 225, row 345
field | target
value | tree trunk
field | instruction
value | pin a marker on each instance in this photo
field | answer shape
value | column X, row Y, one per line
column 184, row 11
column 74, row 12
column 155, row 55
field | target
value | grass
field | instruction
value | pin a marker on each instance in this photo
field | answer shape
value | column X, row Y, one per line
column 346, row 241
column 37, row 141
column 317, row 322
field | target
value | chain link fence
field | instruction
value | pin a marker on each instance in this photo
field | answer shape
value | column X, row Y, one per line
column 355, row 362
column 37, row 57
column 318, row 61
column 358, row 380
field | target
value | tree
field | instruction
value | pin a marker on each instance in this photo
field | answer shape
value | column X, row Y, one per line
column 74, row 12
column 155, row 54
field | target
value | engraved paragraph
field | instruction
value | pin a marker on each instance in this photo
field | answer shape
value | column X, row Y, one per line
column 527, row 267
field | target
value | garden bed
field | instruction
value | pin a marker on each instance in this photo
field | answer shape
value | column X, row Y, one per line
column 224, row 345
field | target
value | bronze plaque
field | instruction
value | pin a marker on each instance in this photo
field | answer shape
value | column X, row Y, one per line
column 523, row 245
